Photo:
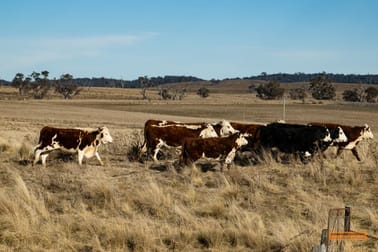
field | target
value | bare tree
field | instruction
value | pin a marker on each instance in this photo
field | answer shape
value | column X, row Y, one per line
column 40, row 86
column 21, row 83
column 66, row 87
column 144, row 83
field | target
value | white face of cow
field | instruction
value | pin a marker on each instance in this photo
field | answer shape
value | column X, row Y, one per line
column 226, row 128
column 327, row 138
column 366, row 132
column 241, row 140
column 209, row 131
column 105, row 136
column 342, row 137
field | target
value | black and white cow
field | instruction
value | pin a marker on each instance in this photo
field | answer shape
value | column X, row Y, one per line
column 303, row 140
column 354, row 134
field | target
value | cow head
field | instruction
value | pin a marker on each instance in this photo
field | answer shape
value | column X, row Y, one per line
column 327, row 137
column 209, row 131
column 241, row 140
column 104, row 135
column 340, row 136
column 226, row 129
column 366, row 132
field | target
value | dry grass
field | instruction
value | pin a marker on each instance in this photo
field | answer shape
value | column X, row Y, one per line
column 127, row 206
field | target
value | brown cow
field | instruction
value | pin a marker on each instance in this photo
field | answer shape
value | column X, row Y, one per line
column 220, row 148
column 354, row 134
column 168, row 135
column 83, row 141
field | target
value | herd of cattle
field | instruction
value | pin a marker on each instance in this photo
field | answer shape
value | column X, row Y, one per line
column 220, row 140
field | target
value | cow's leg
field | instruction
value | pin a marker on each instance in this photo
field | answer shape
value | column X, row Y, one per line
column 339, row 150
column 40, row 153
column 230, row 156
column 80, row 156
column 43, row 158
column 37, row 154
column 98, row 158
column 157, row 149
column 355, row 153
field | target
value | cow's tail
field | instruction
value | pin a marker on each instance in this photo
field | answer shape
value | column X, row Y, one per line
column 39, row 143
column 143, row 147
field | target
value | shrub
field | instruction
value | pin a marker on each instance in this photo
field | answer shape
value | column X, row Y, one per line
column 321, row 88
column 270, row 91
column 371, row 94
column 351, row 95
column 203, row 92
column 298, row 93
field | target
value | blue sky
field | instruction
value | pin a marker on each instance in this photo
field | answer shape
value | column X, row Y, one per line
column 203, row 38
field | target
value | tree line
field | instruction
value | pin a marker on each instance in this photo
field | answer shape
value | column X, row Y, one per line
column 303, row 77
column 320, row 88
column 119, row 83
column 280, row 77
column 38, row 85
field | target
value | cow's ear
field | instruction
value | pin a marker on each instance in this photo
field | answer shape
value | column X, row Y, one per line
column 366, row 126
column 100, row 128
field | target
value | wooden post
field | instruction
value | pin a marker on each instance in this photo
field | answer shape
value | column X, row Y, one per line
column 347, row 219
column 284, row 110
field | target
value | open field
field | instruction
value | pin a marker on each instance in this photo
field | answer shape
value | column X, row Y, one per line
column 130, row 206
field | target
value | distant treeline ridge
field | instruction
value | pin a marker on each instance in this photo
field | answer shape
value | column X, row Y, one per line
column 281, row 77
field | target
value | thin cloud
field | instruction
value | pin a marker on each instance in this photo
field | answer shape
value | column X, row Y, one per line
column 28, row 52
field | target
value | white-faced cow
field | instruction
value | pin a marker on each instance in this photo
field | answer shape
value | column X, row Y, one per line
column 220, row 148
column 354, row 134
column 302, row 140
column 222, row 128
column 251, row 130
column 83, row 141
column 171, row 135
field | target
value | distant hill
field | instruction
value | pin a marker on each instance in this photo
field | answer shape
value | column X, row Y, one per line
column 170, row 79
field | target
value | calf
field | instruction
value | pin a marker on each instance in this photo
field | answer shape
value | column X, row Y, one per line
column 354, row 136
column 220, row 148
column 83, row 141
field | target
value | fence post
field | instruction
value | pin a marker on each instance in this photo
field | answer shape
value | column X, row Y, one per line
column 347, row 219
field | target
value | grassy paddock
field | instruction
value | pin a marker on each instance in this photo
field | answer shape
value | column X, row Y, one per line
column 127, row 206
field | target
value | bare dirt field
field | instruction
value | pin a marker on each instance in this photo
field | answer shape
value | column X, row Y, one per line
column 131, row 206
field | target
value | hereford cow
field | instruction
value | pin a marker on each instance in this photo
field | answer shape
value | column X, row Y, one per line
column 156, row 137
column 222, row 128
column 354, row 134
column 83, row 141
column 220, row 148
column 251, row 130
